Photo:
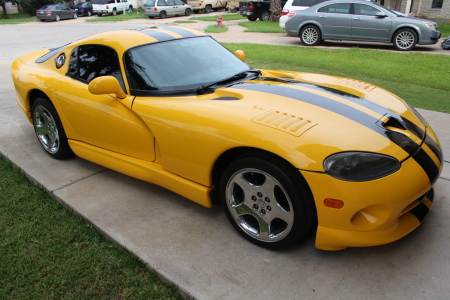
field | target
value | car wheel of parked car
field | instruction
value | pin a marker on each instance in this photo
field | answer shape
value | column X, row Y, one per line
column 188, row 12
column 208, row 9
column 310, row 35
column 252, row 18
column 57, row 18
column 265, row 16
column 89, row 13
column 267, row 201
column 49, row 130
column 151, row 17
column 75, row 15
column 100, row 15
column 405, row 39
column 162, row 15
column 114, row 12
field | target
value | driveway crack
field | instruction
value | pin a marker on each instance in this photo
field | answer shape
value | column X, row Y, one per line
column 80, row 179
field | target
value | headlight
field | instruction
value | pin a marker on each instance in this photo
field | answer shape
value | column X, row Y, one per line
column 360, row 166
column 429, row 24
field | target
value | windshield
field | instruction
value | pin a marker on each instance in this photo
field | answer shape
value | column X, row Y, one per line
column 180, row 64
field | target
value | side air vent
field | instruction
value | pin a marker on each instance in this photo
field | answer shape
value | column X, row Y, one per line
column 285, row 122
column 393, row 122
column 355, row 84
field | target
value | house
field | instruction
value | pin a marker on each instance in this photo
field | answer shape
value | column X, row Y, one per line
column 437, row 10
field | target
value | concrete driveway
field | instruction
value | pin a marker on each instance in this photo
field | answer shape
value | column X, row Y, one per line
column 196, row 248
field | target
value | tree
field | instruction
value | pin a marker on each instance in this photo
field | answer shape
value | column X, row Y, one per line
column 3, row 5
column 275, row 9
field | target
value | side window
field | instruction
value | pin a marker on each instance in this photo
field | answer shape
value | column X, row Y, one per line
column 303, row 3
column 366, row 10
column 91, row 61
column 337, row 8
column 111, row 1
column 170, row 2
column 161, row 3
column 178, row 2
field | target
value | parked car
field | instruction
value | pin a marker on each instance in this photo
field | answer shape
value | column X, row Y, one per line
column 359, row 20
column 111, row 7
column 286, row 153
column 292, row 5
column 254, row 10
column 207, row 5
column 166, row 8
column 55, row 12
column 84, row 9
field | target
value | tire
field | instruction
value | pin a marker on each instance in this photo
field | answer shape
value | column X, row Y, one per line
column 75, row 15
column 42, row 20
column 188, row 12
column 114, row 12
column 49, row 130
column 310, row 35
column 252, row 18
column 405, row 40
column 57, row 18
column 196, row 11
column 100, row 15
column 265, row 16
column 151, row 17
column 89, row 13
column 208, row 9
column 162, row 15
column 267, row 201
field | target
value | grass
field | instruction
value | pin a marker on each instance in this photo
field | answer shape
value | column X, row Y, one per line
column 48, row 253
column 216, row 29
column 444, row 29
column 17, row 18
column 225, row 17
column 118, row 18
column 262, row 26
column 421, row 79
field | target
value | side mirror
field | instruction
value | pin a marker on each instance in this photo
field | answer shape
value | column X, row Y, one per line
column 380, row 15
column 106, row 85
column 240, row 54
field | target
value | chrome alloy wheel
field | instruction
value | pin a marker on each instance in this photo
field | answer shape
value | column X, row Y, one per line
column 46, row 129
column 310, row 36
column 405, row 40
column 259, row 205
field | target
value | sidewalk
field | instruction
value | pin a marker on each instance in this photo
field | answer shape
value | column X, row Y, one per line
column 195, row 247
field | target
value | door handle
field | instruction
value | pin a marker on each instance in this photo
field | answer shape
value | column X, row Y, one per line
column 323, row 17
column 357, row 19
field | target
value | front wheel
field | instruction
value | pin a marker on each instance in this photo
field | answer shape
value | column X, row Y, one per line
column 267, row 201
column 187, row 12
column 265, row 16
column 49, row 130
column 114, row 12
column 310, row 35
column 252, row 18
column 405, row 40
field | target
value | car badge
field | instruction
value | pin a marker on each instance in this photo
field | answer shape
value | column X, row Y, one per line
column 60, row 60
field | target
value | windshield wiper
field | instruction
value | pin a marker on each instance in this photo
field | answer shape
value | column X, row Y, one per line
column 209, row 88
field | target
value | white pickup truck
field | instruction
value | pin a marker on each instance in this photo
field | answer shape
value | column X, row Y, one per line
column 207, row 5
column 110, row 7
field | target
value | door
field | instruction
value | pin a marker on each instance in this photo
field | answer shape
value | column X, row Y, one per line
column 336, row 20
column 101, row 120
column 367, row 26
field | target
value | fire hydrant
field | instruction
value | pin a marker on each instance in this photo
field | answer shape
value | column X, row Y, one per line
column 219, row 21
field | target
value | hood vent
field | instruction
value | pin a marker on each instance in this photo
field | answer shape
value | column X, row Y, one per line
column 355, row 84
column 285, row 122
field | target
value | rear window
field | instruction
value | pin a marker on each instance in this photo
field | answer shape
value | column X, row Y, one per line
column 100, row 1
column 307, row 3
column 47, row 6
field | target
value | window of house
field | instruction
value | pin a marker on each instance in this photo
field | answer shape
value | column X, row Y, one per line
column 437, row 3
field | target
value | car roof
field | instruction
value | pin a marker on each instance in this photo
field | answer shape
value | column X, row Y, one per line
column 122, row 40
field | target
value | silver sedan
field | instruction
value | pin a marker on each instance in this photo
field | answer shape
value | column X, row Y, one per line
column 359, row 20
column 55, row 12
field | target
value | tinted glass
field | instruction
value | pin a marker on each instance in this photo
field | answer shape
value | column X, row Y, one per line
column 366, row 10
column 91, row 61
column 150, row 3
column 100, row 1
column 179, row 63
column 178, row 2
column 170, row 2
column 337, row 8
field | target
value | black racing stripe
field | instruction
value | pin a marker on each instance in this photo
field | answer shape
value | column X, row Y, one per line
column 317, row 100
column 160, row 36
column 434, row 147
column 427, row 164
column 403, row 142
column 420, row 211
column 416, row 130
column 183, row 32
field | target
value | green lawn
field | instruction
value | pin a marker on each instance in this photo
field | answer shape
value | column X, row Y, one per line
column 216, row 29
column 421, row 79
column 262, row 26
column 48, row 253
column 118, row 18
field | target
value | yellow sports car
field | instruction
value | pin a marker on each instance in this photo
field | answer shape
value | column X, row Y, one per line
column 285, row 153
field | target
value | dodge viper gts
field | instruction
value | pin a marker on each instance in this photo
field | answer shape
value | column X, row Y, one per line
column 285, row 153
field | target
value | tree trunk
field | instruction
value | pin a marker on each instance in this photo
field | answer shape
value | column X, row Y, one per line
column 275, row 9
column 5, row 13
